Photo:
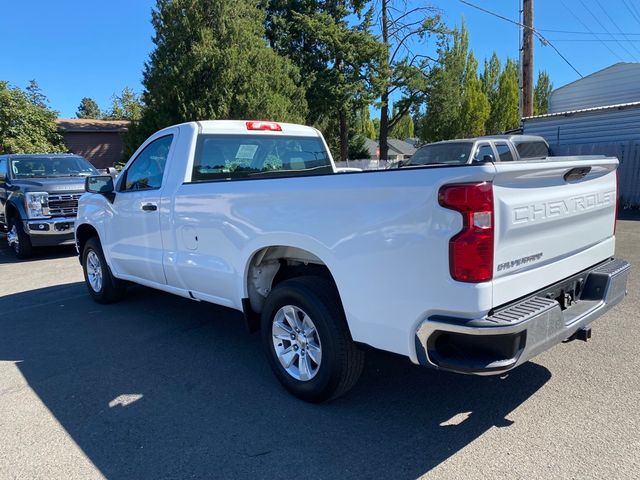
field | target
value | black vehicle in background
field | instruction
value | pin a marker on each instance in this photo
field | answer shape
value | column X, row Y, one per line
column 39, row 198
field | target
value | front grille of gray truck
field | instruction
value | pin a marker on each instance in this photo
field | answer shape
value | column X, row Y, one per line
column 64, row 205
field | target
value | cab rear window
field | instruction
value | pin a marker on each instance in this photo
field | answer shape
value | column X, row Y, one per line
column 532, row 150
column 229, row 157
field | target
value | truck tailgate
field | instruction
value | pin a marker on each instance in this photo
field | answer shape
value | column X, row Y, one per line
column 553, row 218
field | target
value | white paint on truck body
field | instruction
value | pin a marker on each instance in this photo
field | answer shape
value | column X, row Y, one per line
column 382, row 234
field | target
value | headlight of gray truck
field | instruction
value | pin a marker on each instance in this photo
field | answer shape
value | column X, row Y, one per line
column 37, row 204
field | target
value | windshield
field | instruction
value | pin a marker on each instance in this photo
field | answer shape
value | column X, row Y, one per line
column 453, row 153
column 54, row 166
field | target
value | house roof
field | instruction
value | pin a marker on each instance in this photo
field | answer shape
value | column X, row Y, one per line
column 91, row 125
column 401, row 146
column 396, row 147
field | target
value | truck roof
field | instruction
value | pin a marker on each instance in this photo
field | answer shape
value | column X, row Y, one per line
column 511, row 138
column 242, row 127
column 45, row 155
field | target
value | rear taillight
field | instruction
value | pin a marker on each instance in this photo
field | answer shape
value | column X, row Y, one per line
column 615, row 219
column 471, row 250
column 269, row 126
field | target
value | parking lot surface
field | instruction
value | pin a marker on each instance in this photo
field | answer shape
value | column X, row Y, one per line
column 162, row 387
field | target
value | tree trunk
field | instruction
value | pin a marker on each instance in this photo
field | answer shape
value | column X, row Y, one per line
column 384, row 103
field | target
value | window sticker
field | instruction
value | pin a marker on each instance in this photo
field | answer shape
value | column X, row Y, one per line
column 246, row 151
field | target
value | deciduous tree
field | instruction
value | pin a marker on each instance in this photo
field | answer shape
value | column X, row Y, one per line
column 541, row 94
column 27, row 125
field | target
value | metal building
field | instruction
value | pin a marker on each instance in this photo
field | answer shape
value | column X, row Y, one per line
column 598, row 115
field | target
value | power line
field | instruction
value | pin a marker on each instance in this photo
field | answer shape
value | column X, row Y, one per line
column 536, row 33
column 605, row 28
column 590, row 40
column 591, row 31
column 582, row 32
column 632, row 10
column 617, row 27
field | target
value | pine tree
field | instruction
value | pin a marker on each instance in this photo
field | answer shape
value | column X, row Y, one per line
column 211, row 62
column 88, row 108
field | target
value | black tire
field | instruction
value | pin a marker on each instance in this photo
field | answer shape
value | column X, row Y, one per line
column 22, row 248
column 111, row 289
column 341, row 362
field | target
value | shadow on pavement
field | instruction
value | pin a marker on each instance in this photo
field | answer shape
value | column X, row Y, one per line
column 162, row 387
column 39, row 253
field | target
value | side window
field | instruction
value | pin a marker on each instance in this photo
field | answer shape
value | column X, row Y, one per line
column 484, row 154
column 504, row 152
column 3, row 169
column 145, row 173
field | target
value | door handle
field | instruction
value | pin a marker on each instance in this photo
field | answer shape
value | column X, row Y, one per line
column 149, row 207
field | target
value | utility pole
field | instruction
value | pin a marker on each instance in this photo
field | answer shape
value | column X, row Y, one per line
column 527, row 58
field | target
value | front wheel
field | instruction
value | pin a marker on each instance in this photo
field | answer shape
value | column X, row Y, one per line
column 102, row 285
column 307, row 341
column 18, row 239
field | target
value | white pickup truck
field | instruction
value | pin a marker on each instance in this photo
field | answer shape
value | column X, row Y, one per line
column 466, row 268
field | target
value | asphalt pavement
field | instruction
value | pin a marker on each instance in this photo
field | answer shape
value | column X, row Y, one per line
column 162, row 387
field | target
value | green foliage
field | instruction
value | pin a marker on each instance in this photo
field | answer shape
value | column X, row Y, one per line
column 506, row 108
column 332, row 45
column 541, row 94
column 403, row 128
column 462, row 104
column 126, row 106
column 27, row 125
column 475, row 104
column 211, row 62
column 363, row 125
column 88, row 108
column 445, row 93
column 357, row 148
column 489, row 79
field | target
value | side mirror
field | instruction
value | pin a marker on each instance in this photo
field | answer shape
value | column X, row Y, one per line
column 487, row 159
column 102, row 184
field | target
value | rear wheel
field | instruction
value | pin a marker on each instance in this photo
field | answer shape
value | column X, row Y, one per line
column 18, row 239
column 307, row 342
column 102, row 285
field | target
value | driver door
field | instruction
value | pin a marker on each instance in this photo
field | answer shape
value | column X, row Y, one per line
column 134, row 233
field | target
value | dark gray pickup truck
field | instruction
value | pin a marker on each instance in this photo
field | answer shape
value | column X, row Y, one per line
column 39, row 198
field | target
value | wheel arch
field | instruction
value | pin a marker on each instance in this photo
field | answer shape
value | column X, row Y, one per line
column 270, row 265
column 84, row 232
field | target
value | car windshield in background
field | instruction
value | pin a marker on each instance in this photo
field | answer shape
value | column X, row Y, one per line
column 532, row 150
column 226, row 157
column 453, row 153
column 42, row 166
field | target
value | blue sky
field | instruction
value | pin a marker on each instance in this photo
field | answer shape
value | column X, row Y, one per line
column 88, row 48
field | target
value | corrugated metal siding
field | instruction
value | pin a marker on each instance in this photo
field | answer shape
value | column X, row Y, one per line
column 606, row 132
column 616, row 84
